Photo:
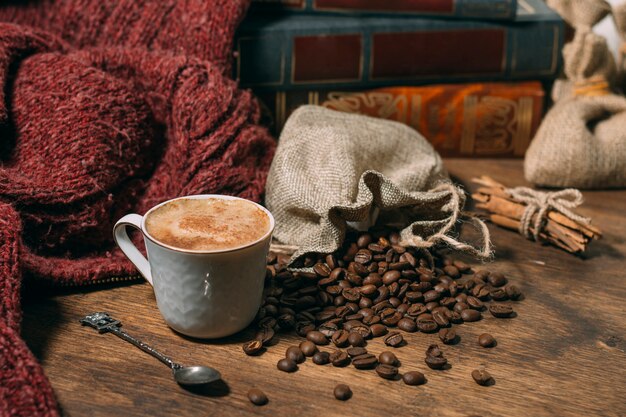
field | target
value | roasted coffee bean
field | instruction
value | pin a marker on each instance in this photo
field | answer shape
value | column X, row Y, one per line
column 355, row 316
column 394, row 301
column 381, row 295
column 481, row 291
column 363, row 256
column 425, row 316
column 379, row 307
column 414, row 297
column 407, row 325
column 351, row 294
column 459, row 307
column 356, row 339
column 452, row 271
column 334, row 290
column 371, row 320
column 304, row 327
column 431, row 296
column 317, row 337
column 265, row 335
column 287, row 365
column 441, row 288
column 482, row 274
column 474, row 303
column 295, row 354
column 387, row 371
column 462, row 266
column 342, row 392
column 403, row 308
column 399, row 266
column 362, row 329
column 391, row 276
column 257, row 397
column 308, row 348
column 416, row 309
column 407, row 257
column 337, row 274
column 365, row 302
column 496, row 279
column 486, row 340
column 392, row 320
column 470, row 315
column 356, row 351
column 440, row 318
column 267, row 322
column 498, row 294
column 513, row 292
column 364, row 240
column 388, row 358
column 461, row 298
column 366, row 361
column 340, row 338
column 286, row 321
column 339, row 358
column 325, row 315
column 433, row 350
column 447, row 336
column 414, row 378
column 373, row 279
column 482, row 377
column 253, row 347
column 436, row 362
column 354, row 279
column 368, row 290
column 331, row 261
column 328, row 328
column 447, row 302
column 321, row 358
column 456, row 318
column 378, row 330
column 394, row 339
column 321, row 269
column 501, row 310
column 426, row 326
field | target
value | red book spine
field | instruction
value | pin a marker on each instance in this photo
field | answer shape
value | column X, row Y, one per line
column 462, row 120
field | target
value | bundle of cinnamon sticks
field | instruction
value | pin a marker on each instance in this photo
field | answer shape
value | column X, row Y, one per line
column 558, row 229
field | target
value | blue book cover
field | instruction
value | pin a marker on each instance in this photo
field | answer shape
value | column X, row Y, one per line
column 299, row 51
column 451, row 9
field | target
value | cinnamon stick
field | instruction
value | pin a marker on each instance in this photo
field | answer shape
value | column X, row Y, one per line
column 558, row 229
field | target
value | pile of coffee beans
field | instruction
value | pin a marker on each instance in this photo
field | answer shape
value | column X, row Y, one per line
column 374, row 287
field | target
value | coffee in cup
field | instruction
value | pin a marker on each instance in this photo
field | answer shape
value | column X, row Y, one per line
column 206, row 260
column 207, row 224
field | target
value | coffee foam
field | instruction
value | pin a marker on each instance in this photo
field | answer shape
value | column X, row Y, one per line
column 207, row 224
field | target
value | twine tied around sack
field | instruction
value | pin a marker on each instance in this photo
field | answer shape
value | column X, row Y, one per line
column 591, row 87
column 539, row 203
column 442, row 236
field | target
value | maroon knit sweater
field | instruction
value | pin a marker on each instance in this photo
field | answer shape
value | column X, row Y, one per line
column 108, row 108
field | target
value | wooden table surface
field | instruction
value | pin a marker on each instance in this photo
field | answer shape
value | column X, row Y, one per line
column 564, row 355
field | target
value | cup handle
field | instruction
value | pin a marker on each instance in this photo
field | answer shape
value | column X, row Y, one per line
column 128, row 247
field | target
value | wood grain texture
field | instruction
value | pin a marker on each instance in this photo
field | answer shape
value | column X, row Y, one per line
column 565, row 353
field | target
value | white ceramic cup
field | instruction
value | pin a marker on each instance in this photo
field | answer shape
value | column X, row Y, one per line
column 203, row 294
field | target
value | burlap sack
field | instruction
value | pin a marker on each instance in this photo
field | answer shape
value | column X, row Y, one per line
column 581, row 142
column 333, row 170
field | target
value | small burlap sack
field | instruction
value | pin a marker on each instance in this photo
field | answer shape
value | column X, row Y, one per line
column 333, row 170
column 581, row 142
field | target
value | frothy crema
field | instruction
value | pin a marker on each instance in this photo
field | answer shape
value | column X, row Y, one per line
column 209, row 224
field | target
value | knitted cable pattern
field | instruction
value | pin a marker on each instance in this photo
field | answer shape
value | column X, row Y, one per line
column 108, row 108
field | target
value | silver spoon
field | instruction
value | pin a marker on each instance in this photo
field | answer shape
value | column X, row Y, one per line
column 184, row 375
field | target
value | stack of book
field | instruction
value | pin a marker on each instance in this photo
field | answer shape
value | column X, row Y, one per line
column 467, row 74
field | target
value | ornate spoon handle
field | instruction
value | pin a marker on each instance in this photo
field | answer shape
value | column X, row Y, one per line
column 104, row 323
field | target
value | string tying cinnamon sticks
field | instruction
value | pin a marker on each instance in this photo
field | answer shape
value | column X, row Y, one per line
column 542, row 216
